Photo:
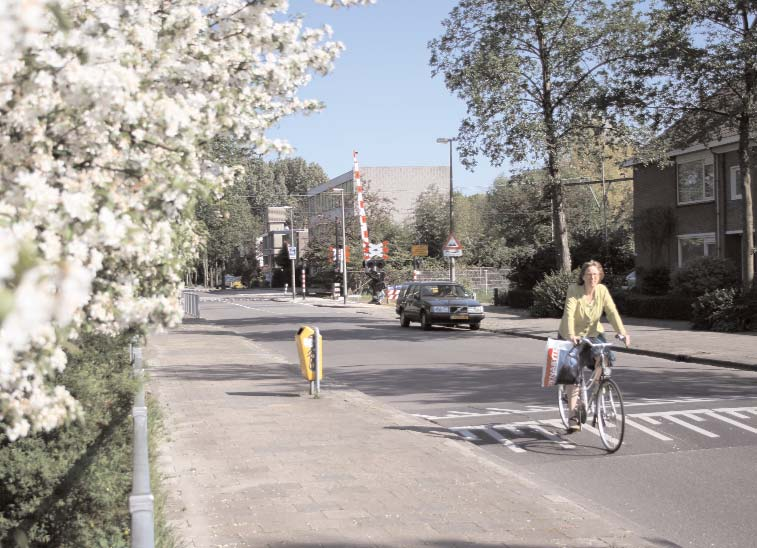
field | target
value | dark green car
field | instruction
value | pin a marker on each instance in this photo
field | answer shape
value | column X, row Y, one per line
column 438, row 303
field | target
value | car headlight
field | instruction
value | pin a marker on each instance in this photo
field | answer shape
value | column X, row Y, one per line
column 476, row 309
column 440, row 309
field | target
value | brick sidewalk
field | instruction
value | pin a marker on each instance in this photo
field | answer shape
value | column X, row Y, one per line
column 252, row 460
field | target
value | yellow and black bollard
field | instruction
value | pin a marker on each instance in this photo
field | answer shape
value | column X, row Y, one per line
column 310, row 349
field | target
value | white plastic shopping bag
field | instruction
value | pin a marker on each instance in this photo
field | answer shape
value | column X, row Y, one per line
column 552, row 360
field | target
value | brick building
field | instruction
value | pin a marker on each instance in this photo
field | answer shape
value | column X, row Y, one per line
column 691, row 208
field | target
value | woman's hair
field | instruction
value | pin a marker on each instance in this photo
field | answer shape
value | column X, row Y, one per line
column 585, row 267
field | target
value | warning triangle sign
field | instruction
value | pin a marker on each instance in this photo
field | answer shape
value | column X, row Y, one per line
column 452, row 243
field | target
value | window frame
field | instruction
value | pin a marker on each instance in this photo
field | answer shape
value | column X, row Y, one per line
column 707, row 238
column 735, row 187
column 704, row 161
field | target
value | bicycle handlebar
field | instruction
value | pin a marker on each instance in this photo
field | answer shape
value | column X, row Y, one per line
column 586, row 340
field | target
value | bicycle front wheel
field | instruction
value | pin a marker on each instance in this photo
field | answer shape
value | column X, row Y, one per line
column 563, row 404
column 610, row 416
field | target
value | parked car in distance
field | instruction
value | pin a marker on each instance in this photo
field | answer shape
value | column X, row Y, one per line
column 438, row 303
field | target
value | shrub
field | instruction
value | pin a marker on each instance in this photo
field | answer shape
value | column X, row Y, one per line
column 654, row 280
column 550, row 293
column 70, row 487
column 519, row 298
column 528, row 265
column 662, row 307
column 705, row 274
column 617, row 257
column 717, row 310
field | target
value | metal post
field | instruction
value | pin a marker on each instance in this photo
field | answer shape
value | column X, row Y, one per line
column 141, row 499
column 451, row 213
column 344, row 252
column 317, row 361
column 291, row 243
column 304, row 291
column 450, row 140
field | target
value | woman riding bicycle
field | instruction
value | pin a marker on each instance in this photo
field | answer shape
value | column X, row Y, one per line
column 584, row 305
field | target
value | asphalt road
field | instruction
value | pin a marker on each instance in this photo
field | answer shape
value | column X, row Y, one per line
column 687, row 470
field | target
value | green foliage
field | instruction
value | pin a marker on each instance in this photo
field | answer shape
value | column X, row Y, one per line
column 716, row 310
column 70, row 487
column 663, row 307
column 517, row 210
column 296, row 175
column 519, row 298
column 550, row 293
column 500, row 57
column 617, row 257
column 653, row 280
column 705, row 274
column 432, row 220
column 528, row 266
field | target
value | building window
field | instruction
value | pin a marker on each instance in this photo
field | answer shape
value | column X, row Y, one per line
column 735, row 183
column 696, row 182
column 693, row 246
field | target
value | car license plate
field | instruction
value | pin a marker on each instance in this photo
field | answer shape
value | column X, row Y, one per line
column 459, row 316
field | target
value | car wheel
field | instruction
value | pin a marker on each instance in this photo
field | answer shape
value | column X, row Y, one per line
column 404, row 322
column 475, row 326
column 425, row 322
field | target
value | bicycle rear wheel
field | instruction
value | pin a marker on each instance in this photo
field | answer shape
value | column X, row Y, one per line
column 563, row 404
column 610, row 415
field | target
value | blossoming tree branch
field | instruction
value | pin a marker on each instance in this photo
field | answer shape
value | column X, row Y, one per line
column 106, row 113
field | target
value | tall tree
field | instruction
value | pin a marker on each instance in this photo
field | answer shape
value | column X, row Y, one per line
column 432, row 220
column 531, row 72
column 297, row 175
column 702, row 71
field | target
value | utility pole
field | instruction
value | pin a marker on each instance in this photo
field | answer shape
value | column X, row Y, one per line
column 292, row 258
column 344, row 247
column 450, row 140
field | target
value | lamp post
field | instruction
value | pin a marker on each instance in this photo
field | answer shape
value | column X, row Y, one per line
column 291, row 243
column 445, row 140
column 340, row 191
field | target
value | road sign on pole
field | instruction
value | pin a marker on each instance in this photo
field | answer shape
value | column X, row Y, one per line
column 452, row 248
column 452, row 243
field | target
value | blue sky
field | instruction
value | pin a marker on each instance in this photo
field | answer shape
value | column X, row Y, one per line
column 381, row 99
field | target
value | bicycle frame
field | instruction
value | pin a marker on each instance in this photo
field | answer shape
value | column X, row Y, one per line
column 599, row 397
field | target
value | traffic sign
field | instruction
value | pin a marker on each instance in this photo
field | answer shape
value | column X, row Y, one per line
column 452, row 252
column 419, row 250
column 292, row 252
column 452, row 243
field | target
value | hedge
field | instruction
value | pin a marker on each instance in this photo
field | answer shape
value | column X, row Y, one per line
column 70, row 487
column 663, row 307
column 516, row 297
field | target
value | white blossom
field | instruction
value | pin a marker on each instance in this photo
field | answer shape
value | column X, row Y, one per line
column 103, row 151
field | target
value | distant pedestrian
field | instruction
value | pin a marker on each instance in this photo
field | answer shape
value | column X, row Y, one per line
column 584, row 304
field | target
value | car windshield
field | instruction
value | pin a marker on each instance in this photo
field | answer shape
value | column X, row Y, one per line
column 446, row 290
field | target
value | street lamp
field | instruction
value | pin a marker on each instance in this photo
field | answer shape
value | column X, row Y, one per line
column 340, row 191
column 291, row 243
column 444, row 141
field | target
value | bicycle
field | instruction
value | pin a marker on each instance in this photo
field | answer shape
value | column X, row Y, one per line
column 599, row 398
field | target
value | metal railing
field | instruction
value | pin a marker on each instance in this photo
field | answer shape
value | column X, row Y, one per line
column 141, row 501
column 191, row 303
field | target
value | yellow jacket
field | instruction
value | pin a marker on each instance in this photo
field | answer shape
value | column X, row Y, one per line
column 581, row 319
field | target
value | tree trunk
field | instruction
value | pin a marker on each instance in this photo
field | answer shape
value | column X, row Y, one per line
column 559, row 223
column 206, row 270
column 747, row 240
column 745, row 165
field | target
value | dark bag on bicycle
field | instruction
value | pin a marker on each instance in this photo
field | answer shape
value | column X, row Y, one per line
column 568, row 366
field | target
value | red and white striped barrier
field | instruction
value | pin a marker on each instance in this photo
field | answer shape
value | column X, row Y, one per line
column 392, row 292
